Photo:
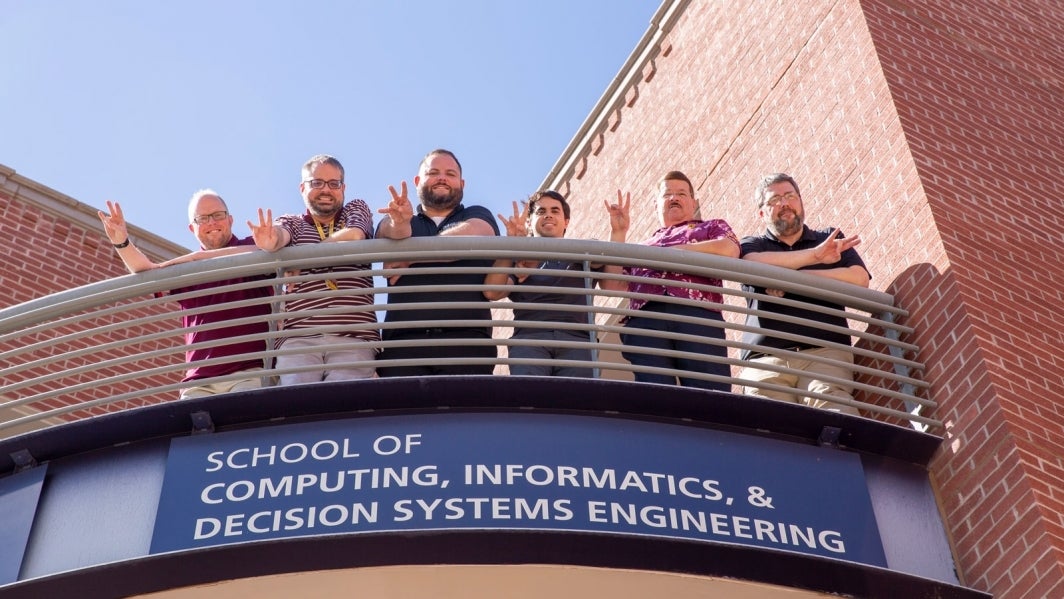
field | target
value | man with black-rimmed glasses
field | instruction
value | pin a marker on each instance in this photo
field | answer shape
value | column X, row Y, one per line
column 211, row 223
column 789, row 243
column 327, row 219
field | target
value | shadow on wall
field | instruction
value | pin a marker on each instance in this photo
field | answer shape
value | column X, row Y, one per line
column 940, row 332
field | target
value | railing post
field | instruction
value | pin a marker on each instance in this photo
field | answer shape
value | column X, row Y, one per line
column 902, row 370
column 589, row 285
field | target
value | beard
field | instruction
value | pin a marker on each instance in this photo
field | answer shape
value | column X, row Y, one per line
column 214, row 242
column 438, row 201
column 321, row 211
column 783, row 228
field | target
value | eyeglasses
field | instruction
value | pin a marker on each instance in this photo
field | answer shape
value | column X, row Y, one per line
column 776, row 200
column 203, row 219
column 319, row 183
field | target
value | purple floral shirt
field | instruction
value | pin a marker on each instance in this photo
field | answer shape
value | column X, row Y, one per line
column 683, row 233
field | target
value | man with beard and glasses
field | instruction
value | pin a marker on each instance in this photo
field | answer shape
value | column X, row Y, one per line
column 440, row 187
column 211, row 223
column 681, row 229
column 327, row 220
column 789, row 243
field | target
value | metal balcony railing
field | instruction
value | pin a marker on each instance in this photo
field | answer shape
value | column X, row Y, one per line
column 118, row 344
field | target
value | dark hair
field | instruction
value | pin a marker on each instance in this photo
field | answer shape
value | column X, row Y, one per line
column 678, row 176
column 549, row 193
column 772, row 179
column 439, row 151
column 322, row 159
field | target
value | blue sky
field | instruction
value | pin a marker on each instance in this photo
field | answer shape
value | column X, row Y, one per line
column 145, row 101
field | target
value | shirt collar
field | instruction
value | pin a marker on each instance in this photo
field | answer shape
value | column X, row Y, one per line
column 457, row 209
column 807, row 235
column 686, row 222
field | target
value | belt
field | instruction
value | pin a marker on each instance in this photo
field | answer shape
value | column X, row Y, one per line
column 442, row 331
column 427, row 332
column 756, row 354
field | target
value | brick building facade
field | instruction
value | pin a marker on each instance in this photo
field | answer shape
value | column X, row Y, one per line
column 63, row 240
column 934, row 130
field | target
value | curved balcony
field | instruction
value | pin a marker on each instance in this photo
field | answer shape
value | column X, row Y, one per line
column 118, row 343
column 119, row 488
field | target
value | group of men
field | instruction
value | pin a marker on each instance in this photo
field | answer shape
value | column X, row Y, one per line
column 341, row 352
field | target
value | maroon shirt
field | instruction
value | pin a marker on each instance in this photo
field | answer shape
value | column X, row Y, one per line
column 196, row 321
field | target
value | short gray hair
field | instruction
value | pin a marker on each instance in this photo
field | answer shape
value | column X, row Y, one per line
column 196, row 197
column 772, row 179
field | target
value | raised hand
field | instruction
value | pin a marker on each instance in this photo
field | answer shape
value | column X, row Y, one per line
column 831, row 249
column 264, row 233
column 619, row 215
column 518, row 225
column 399, row 210
column 114, row 224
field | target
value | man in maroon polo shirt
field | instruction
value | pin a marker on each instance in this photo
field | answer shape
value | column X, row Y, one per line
column 212, row 225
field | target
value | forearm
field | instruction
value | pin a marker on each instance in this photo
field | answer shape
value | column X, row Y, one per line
column 613, row 284
column 389, row 230
column 720, row 247
column 207, row 254
column 855, row 275
column 473, row 227
column 792, row 260
column 134, row 259
column 352, row 234
column 498, row 278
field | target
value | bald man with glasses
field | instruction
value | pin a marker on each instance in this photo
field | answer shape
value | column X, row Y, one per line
column 212, row 225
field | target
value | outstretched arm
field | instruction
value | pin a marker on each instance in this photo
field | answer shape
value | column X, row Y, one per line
column 515, row 227
column 620, row 220
column 114, row 225
column 207, row 254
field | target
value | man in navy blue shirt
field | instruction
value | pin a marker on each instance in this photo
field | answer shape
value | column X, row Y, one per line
column 440, row 188
column 789, row 243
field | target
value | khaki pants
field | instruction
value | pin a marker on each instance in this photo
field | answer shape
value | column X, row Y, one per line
column 254, row 381
column 809, row 379
column 355, row 351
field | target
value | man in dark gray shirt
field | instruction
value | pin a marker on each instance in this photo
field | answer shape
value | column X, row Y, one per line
column 548, row 214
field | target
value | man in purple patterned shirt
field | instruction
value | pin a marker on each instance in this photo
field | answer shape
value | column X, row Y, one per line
column 683, row 231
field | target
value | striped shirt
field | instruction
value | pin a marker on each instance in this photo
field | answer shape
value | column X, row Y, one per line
column 303, row 230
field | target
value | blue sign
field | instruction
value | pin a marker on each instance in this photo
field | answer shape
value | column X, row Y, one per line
column 19, row 494
column 514, row 471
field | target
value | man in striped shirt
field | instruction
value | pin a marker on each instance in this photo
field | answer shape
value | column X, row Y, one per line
column 337, row 355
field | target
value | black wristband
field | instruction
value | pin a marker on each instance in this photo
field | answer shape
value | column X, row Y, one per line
column 119, row 246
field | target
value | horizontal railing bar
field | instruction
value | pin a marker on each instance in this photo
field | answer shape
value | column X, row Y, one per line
column 62, row 337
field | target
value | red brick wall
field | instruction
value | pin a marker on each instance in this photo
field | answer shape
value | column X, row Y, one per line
column 978, row 89
column 46, row 252
column 934, row 129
